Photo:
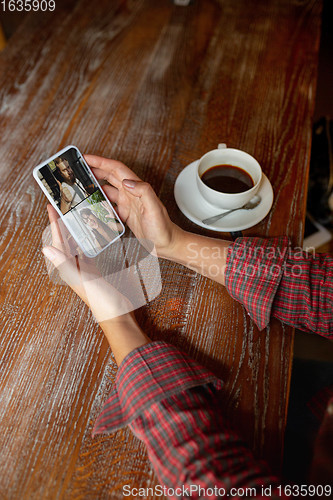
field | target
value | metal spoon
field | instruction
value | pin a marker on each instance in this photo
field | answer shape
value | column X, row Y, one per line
column 248, row 206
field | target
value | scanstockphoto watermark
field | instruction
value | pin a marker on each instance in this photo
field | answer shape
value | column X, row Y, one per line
column 197, row 491
column 262, row 261
column 193, row 490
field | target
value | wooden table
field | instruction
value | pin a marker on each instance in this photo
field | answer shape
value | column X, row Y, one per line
column 155, row 85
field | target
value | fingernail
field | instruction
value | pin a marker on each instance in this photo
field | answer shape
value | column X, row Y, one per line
column 129, row 183
column 49, row 253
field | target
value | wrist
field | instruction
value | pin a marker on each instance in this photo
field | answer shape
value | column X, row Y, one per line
column 123, row 335
column 171, row 252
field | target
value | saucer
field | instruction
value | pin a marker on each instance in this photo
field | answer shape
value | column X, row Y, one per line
column 196, row 208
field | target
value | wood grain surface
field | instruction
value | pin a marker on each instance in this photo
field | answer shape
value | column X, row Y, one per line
column 156, row 86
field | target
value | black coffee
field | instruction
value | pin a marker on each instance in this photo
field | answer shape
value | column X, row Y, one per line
column 227, row 179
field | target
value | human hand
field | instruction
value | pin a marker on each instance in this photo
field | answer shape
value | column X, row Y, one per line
column 111, row 309
column 137, row 204
column 81, row 274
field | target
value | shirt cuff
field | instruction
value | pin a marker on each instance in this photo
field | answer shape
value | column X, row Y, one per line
column 254, row 269
column 147, row 375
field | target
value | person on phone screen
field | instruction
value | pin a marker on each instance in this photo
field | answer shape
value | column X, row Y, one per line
column 103, row 234
column 72, row 190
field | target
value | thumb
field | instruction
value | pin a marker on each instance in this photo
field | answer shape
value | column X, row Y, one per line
column 66, row 266
column 141, row 190
column 130, row 184
column 54, row 255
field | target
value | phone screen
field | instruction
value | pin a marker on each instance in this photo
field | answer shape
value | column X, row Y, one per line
column 72, row 189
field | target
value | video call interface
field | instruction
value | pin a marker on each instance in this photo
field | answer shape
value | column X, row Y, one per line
column 86, row 210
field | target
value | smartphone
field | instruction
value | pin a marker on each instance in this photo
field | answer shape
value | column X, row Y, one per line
column 73, row 190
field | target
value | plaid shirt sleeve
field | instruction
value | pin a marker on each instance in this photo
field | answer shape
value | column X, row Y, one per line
column 268, row 278
column 170, row 403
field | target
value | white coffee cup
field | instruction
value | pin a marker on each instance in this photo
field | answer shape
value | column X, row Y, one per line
column 234, row 157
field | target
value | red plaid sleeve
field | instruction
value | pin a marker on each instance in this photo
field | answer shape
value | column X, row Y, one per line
column 253, row 273
column 269, row 278
column 136, row 387
column 304, row 298
column 171, row 403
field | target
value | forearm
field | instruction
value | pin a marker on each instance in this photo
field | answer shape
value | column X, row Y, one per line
column 205, row 255
column 123, row 335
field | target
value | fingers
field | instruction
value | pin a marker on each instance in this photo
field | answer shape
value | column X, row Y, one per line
column 68, row 268
column 99, row 162
column 52, row 213
column 59, row 232
column 142, row 190
column 111, row 170
column 57, row 239
column 112, row 193
column 55, row 256
column 100, row 174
